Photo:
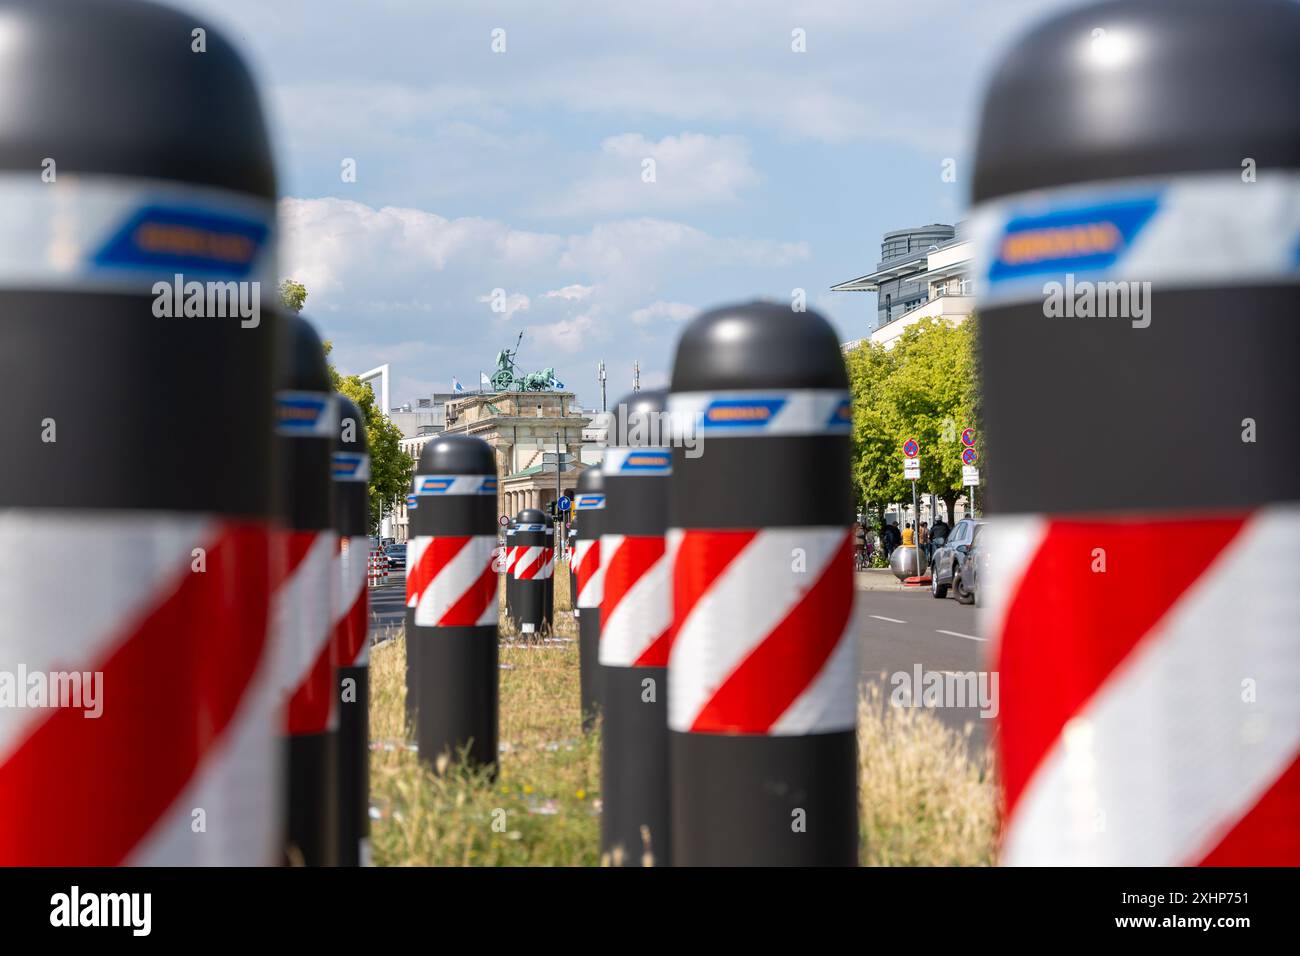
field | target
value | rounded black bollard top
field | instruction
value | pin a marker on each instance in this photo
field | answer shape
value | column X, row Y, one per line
column 756, row 345
column 638, row 419
column 591, row 481
column 457, row 455
column 302, row 365
column 1127, row 89
column 118, row 88
column 531, row 516
column 348, row 410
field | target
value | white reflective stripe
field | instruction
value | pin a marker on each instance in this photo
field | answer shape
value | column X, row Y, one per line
column 113, row 568
column 755, row 592
column 631, row 462
column 453, row 579
column 351, row 466
column 62, row 234
column 528, row 557
column 302, row 613
column 593, row 585
column 1010, row 542
column 306, row 414
column 643, row 614
column 589, row 502
column 454, row 485
column 741, row 413
column 351, row 560
column 239, row 785
column 1167, row 756
column 1205, row 229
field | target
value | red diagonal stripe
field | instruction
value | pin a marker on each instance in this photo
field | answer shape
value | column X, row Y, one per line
column 1068, row 627
column 1269, row 835
column 629, row 562
column 778, row 670
column 433, row 559
column 701, row 558
column 656, row 655
column 350, row 631
column 171, row 688
column 469, row 606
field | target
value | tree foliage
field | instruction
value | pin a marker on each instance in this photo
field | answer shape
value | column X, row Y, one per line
column 293, row 294
column 390, row 467
column 925, row 387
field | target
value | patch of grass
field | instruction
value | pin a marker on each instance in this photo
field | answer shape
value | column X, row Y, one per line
column 543, row 808
column 925, row 800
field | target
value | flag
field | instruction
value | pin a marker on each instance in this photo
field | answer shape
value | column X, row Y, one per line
column 484, row 381
column 456, row 386
column 557, row 384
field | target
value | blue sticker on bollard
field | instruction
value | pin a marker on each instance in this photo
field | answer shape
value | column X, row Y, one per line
column 351, row 466
column 185, row 239
column 305, row 414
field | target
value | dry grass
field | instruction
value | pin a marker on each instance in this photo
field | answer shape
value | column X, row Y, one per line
column 924, row 800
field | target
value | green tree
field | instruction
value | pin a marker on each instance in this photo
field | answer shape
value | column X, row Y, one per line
column 293, row 294
column 926, row 387
column 390, row 467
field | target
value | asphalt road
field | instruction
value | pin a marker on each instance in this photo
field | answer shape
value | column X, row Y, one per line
column 387, row 606
column 900, row 629
column 897, row 631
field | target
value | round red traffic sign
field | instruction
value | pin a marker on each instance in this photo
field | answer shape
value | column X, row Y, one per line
column 968, row 455
column 968, row 438
column 504, row 520
column 910, row 448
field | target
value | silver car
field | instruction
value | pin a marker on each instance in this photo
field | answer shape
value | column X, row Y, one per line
column 954, row 566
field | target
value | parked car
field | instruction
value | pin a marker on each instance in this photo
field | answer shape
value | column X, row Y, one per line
column 396, row 556
column 952, row 566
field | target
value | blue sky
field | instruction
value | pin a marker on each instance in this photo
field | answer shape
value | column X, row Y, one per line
column 522, row 170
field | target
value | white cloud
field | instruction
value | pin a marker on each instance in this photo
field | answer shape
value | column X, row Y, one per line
column 670, row 311
column 635, row 174
column 573, row 293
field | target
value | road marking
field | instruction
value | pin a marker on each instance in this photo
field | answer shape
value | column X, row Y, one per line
column 969, row 637
column 891, row 620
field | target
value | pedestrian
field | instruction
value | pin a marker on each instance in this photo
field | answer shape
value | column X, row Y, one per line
column 909, row 536
column 889, row 539
column 859, row 546
column 923, row 538
column 939, row 533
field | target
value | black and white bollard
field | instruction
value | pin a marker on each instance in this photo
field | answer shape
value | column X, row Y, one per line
column 454, row 621
column 1137, row 228
column 304, row 602
column 137, row 476
column 351, row 623
column 763, row 670
column 532, row 565
column 585, row 586
column 635, row 635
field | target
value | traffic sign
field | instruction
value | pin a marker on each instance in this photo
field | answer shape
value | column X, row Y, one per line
column 553, row 466
column 968, row 438
column 912, row 468
column 968, row 456
column 910, row 448
column 970, row 475
column 504, row 520
column 564, row 502
column 551, row 457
